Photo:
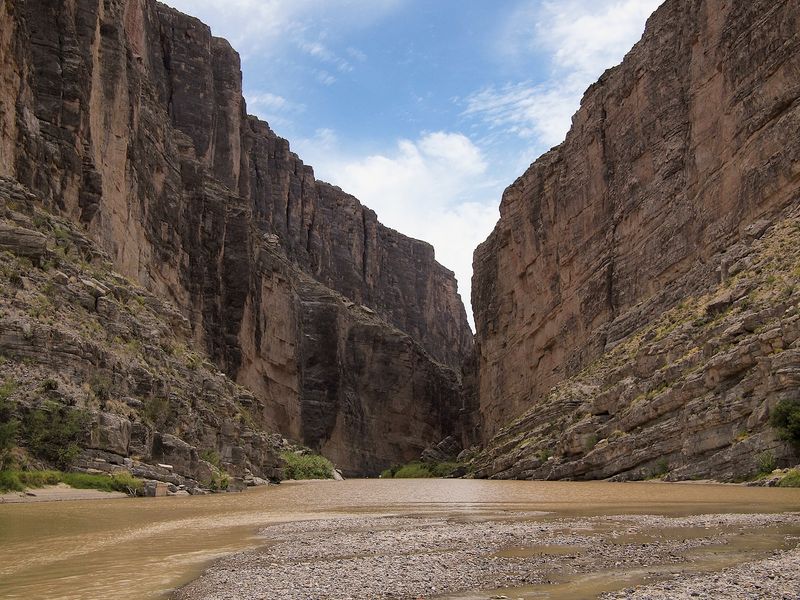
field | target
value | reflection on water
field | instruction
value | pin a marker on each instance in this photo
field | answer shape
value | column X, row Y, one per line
column 142, row 548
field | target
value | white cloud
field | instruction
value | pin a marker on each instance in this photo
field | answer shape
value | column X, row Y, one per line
column 323, row 53
column 324, row 77
column 275, row 109
column 580, row 39
column 434, row 188
column 257, row 26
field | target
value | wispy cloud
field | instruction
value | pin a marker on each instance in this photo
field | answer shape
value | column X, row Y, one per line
column 257, row 26
column 321, row 52
column 275, row 109
column 579, row 40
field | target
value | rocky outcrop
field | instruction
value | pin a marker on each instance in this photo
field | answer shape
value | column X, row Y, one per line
column 677, row 159
column 75, row 336
column 129, row 118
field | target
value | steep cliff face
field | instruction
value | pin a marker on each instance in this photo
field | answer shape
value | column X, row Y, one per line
column 108, row 368
column 671, row 157
column 129, row 118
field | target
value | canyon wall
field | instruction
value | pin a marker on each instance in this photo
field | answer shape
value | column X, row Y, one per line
column 672, row 158
column 128, row 117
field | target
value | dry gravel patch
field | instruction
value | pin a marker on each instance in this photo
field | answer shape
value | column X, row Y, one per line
column 419, row 557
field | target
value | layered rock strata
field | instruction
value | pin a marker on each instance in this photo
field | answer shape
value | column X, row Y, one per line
column 129, row 118
column 689, row 394
column 75, row 336
column 671, row 159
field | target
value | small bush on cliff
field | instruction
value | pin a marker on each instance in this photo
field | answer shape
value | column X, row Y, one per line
column 211, row 456
column 307, row 466
column 786, row 419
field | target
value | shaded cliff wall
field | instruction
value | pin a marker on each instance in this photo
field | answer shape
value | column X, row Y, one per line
column 672, row 155
column 129, row 118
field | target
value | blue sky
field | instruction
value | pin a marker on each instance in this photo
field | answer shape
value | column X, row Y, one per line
column 424, row 109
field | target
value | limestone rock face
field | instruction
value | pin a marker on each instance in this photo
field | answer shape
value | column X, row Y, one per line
column 129, row 118
column 673, row 159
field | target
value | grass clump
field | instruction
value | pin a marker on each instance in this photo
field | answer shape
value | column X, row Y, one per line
column 118, row 482
column 38, row 479
column 307, row 466
column 10, row 482
column 766, row 463
column 792, row 479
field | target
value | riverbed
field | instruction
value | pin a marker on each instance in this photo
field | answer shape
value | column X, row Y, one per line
column 514, row 533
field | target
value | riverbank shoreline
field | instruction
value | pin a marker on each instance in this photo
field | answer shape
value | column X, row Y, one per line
column 58, row 493
column 415, row 532
column 514, row 555
column 62, row 492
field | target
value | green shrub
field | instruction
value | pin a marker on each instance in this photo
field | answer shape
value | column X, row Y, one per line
column 9, row 482
column 156, row 409
column 211, row 456
column 38, row 479
column 414, row 470
column 421, row 470
column 792, row 479
column 307, row 466
column 51, row 433
column 219, row 482
column 9, row 426
column 661, row 468
column 786, row 419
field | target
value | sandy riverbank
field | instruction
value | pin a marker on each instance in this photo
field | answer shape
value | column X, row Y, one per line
column 55, row 493
column 517, row 556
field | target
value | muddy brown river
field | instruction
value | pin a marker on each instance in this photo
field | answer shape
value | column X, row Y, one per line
column 146, row 548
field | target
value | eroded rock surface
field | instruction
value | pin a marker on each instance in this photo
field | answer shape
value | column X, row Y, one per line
column 129, row 118
column 677, row 162
column 75, row 336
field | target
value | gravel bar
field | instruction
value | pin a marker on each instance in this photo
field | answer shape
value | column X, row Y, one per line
column 410, row 557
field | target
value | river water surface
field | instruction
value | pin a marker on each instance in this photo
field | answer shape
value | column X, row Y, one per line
column 146, row 547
